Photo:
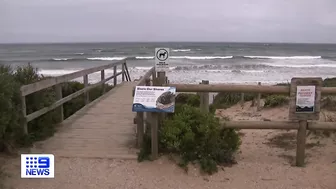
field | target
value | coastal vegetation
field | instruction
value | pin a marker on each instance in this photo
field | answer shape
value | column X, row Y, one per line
column 194, row 137
column 11, row 132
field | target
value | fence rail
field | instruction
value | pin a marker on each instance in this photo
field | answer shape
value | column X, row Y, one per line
column 57, row 82
column 204, row 88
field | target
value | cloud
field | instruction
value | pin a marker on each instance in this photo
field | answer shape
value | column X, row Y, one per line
column 160, row 20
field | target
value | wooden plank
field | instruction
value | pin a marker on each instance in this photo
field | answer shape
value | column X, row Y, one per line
column 140, row 128
column 86, row 94
column 31, row 88
column 154, row 132
column 102, row 77
column 116, row 78
column 322, row 126
column 301, row 143
column 231, row 88
column 127, row 73
column 123, row 72
column 24, row 113
column 59, row 96
column 142, row 81
column 64, row 100
column 260, row 124
column 204, row 98
column 328, row 90
column 258, row 98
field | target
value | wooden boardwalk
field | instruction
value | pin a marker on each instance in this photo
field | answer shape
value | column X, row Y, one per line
column 102, row 129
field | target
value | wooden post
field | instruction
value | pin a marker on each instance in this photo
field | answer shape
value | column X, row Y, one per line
column 258, row 98
column 140, row 128
column 24, row 114
column 204, row 98
column 154, row 133
column 102, row 77
column 86, row 84
column 115, row 78
column 59, row 96
column 148, row 82
column 242, row 99
column 301, row 143
column 122, row 72
column 161, row 80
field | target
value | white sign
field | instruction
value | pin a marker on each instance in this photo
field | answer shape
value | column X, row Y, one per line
column 37, row 166
column 305, row 99
column 162, row 59
column 154, row 99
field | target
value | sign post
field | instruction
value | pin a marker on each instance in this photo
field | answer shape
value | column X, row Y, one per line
column 154, row 99
column 305, row 96
column 162, row 59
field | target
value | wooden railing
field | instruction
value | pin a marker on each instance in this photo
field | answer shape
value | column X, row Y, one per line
column 57, row 83
column 147, row 80
column 204, row 88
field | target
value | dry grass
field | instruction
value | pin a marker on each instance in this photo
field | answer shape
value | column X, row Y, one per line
column 287, row 141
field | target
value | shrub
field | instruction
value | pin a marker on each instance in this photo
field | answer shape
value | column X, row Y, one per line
column 275, row 100
column 197, row 136
column 226, row 100
column 9, row 108
column 11, row 134
column 329, row 82
column 194, row 136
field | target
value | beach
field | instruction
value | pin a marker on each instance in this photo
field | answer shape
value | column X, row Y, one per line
column 266, row 159
column 189, row 62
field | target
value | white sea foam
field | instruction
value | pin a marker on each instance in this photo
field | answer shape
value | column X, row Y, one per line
column 144, row 57
column 201, row 57
column 303, row 65
column 181, row 50
column 61, row 59
column 284, row 57
column 106, row 58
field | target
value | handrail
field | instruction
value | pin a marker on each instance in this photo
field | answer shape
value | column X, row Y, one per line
column 34, row 87
column 57, row 81
column 149, row 73
column 241, row 88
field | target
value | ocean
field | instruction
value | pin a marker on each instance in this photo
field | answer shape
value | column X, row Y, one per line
column 190, row 62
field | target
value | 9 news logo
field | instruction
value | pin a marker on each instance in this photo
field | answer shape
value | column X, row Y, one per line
column 37, row 166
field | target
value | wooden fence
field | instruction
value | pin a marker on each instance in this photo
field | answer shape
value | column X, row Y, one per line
column 57, row 82
column 204, row 88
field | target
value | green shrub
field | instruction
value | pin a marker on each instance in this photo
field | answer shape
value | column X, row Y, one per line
column 188, row 98
column 275, row 100
column 194, row 136
column 225, row 100
column 9, row 108
column 329, row 82
column 197, row 136
column 11, row 131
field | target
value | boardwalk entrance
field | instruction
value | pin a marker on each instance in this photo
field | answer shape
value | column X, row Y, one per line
column 103, row 129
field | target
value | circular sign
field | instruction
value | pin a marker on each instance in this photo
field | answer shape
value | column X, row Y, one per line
column 162, row 54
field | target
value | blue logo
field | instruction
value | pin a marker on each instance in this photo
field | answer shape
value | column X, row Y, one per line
column 37, row 166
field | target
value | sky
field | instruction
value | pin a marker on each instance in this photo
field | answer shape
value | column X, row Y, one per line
column 298, row 21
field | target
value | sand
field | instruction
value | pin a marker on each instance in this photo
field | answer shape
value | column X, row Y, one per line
column 264, row 162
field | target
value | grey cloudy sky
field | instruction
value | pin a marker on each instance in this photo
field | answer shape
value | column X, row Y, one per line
column 168, row 20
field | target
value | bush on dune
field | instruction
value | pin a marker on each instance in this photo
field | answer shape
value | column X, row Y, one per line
column 276, row 100
column 11, row 132
column 194, row 136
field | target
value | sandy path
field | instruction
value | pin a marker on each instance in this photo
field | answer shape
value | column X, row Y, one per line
column 260, row 166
